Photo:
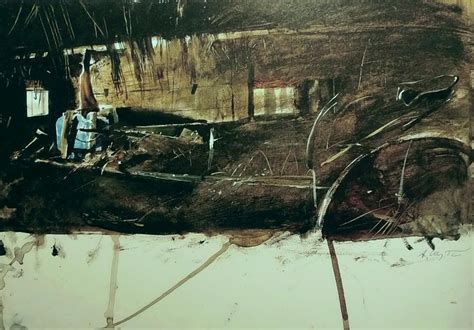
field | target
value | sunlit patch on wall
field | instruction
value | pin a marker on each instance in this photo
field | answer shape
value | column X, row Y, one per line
column 37, row 102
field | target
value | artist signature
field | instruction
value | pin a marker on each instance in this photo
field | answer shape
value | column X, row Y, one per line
column 438, row 255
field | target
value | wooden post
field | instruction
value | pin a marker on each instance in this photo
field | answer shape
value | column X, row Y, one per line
column 251, row 85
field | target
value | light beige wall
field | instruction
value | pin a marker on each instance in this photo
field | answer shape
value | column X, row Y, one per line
column 164, row 81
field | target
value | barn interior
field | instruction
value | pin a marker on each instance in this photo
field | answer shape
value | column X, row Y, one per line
column 176, row 116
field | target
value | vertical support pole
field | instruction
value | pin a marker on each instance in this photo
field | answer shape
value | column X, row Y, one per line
column 340, row 287
column 251, row 85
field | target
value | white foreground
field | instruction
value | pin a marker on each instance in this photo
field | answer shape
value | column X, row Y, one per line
column 287, row 282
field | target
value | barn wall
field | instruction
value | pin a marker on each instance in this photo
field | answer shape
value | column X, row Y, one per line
column 163, row 79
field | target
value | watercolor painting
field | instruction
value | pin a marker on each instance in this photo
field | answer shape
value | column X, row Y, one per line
column 306, row 159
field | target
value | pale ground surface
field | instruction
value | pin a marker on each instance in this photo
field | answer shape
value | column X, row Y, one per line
column 285, row 283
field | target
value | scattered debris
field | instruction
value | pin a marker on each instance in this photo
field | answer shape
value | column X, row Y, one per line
column 389, row 225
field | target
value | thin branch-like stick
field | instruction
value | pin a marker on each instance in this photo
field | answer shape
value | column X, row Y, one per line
column 211, row 148
column 340, row 287
column 373, row 133
column 347, row 106
column 91, row 18
column 268, row 163
column 55, row 21
column 95, row 26
column 126, row 21
column 105, row 27
column 400, row 189
column 70, row 23
column 336, row 156
column 16, row 19
column 152, row 176
column 109, row 313
column 362, row 64
column 297, row 164
column 375, row 226
column 33, row 12
column 235, row 170
column 364, row 214
column 251, row 159
column 284, row 163
column 146, row 214
column 382, row 229
column 248, row 163
column 85, row 185
column 130, row 19
column 315, row 196
column 67, row 19
column 45, row 33
column 330, row 133
column 310, row 142
column 209, row 261
column 400, row 196
column 399, row 218
column 381, row 128
column 51, row 27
